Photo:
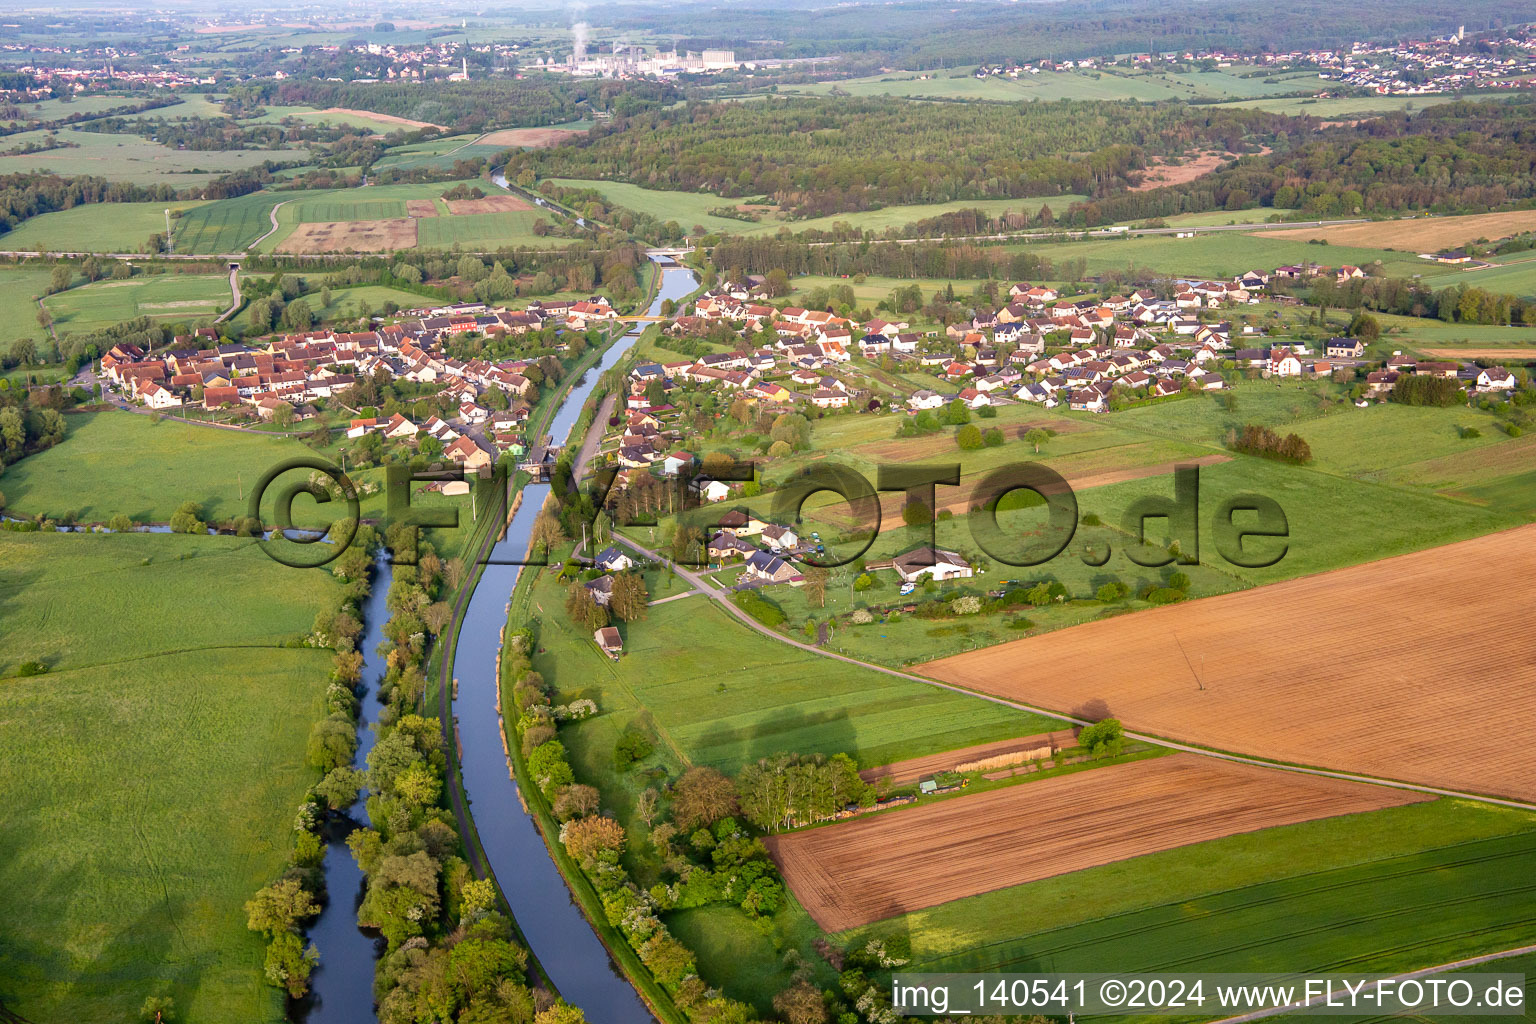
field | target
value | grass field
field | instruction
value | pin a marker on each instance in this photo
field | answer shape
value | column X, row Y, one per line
column 691, row 209
column 96, row 227
column 1352, row 107
column 132, row 835
column 119, row 462
column 230, row 225
column 19, row 289
column 1515, row 277
column 1335, row 894
column 165, row 297
column 1117, row 84
column 1219, row 254
column 134, row 159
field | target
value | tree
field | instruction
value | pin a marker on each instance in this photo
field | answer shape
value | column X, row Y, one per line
column 279, row 907
column 588, row 837
column 298, row 316
column 1104, row 738
column 816, row 585
column 1365, row 327
column 1037, row 436
column 60, row 279
column 340, row 787
column 560, row 1013
column 916, row 513
column 577, row 801
column 289, row 964
column 969, row 437
column 701, row 797
column 647, row 805
column 629, row 598
column 24, row 351
column 282, row 415
column 802, row 1003
column 582, row 607
column 188, row 518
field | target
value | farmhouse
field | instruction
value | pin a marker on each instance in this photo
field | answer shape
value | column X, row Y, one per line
column 770, row 569
column 934, row 562
column 609, row 642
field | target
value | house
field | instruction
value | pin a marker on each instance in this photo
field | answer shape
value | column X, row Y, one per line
column 925, row 400
column 1495, row 378
column 601, row 588
column 933, row 562
column 611, row 559
column 770, row 568
column 1283, row 363
column 609, row 642
column 213, row 398
column 1344, row 348
column 1350, row 273
column 468, row 454
column 398, row 426
column 677, row 462
column 780, row 538
column 157, row 397
column 712, row 490
column 724, row 546
column 827, row 398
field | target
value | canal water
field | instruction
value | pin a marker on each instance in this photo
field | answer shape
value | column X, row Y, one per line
column 556, row 928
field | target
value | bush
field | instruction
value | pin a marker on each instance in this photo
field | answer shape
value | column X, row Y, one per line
column 1109, row 593
column 631, row 747
column 968, row 437
column 1164, row 595
column 1103, row 739
column 862, row 617
column 764, row 611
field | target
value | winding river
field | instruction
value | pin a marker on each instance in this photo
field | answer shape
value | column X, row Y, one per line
column 341, row 989
column 554, row 925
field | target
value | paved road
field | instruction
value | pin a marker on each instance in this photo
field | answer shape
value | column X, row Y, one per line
column 722, row 597
column 272, row 213
column 234, row 290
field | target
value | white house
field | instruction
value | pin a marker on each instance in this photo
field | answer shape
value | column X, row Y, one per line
column 934, row 562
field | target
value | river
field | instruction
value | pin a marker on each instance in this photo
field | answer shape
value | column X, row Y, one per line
column 554, row 925
column 341, row 989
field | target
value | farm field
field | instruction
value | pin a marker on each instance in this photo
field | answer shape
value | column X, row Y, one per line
column 904, row 773
column 1352, row 107
column 391, row 217
column 1515, row 277
column 1218, row 254
column 853, row 873
column 133, row 159
column 96, row 227
column 1419, row 234
column 172, row 801
column 120, row 462
column 1386, row 716
column 1146, row 86
column 691, row 209
column 1332, row 894
column 165, row 297
column 231, row 225
column 535, row 138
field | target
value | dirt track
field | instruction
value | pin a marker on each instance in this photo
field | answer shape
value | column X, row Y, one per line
column 1420, row 668
column 903, row 773
column 853, row 873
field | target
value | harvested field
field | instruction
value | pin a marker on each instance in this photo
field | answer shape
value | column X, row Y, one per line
column 1420, row 234
column 904, row 773
column 420, row 208
column 532, row 138
column 384, row 118
column 351, row 236
column 851, row 874
column 1158, row 175
column 1420, row 667
column 490, row 204
column 1508, row 352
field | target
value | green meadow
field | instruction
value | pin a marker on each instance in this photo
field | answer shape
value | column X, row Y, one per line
column 231, row 225
column 20, row 288
column 134, row 159
column 165, row 297
column 1145, row 85
column 1218, row 254
column 97, row 227
column 152, row 772
column 691, row 209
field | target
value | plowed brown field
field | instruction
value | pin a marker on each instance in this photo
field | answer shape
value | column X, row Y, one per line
column 351, row 236
column 1420, row 668
column 490, row 204
column 850, row 874
column 1420, row 233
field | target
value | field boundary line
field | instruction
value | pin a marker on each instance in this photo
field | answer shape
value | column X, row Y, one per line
column 1062, row 716
column 1422, row 972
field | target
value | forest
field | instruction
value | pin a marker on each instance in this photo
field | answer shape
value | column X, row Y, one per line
column 931, row 34
column 820, row 157
column 475, row 105
column 1456, row 157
